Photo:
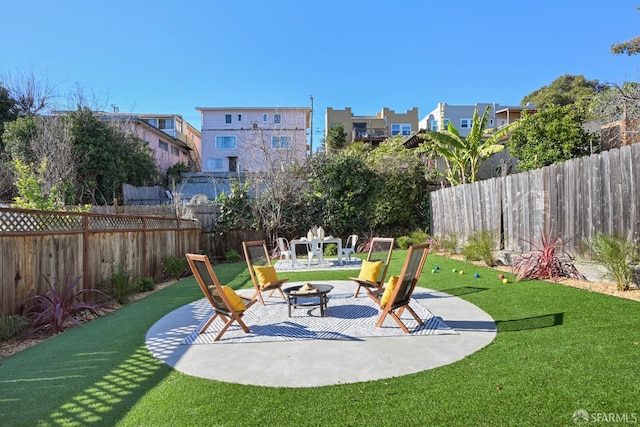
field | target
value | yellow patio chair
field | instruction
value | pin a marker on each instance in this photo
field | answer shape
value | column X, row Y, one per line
column 263, row 274
column 374, row 267
column 398, row 292
column 225, row 302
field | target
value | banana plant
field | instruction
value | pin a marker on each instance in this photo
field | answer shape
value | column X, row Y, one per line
column 464, row 155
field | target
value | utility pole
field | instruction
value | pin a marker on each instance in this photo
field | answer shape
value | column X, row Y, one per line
column 311, row 128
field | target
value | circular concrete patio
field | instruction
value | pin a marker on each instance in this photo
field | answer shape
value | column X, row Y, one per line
column 315, row 363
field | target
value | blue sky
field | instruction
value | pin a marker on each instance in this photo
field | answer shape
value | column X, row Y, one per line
column 171, row 57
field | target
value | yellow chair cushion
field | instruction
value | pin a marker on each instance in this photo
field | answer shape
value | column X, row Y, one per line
column 386, row 296
column 266, row 274
column 236, row 302
column 370, row 270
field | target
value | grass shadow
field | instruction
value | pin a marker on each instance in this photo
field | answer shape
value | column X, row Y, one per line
column 537, row 322
column 463, row 290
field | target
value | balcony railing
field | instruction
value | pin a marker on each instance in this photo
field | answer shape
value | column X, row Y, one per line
column 370, row 134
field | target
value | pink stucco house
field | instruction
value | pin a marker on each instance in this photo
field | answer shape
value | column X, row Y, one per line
column 172, row 139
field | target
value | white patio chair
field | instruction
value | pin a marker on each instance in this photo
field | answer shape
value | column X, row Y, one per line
column 285, row 249
column 350, row 246
column 314, row 249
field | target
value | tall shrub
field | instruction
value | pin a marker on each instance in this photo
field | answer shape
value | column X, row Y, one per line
column 397, row 207
column 342, row 192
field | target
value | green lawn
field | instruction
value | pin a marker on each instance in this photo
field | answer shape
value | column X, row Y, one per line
column 558, row 349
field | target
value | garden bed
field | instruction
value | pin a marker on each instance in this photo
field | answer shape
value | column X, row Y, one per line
column 15, row 345
column 596, row 278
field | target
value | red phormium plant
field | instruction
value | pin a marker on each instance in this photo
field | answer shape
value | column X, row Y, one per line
column 53, row 311
column 547, row 261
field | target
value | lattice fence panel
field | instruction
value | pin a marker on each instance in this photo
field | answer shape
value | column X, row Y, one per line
column 25, row 220
column 114, row 223
column 160, row 223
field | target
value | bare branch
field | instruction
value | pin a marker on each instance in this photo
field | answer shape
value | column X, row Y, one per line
column 32, row 95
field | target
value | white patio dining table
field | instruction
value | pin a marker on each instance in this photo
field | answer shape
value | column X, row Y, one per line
column 304, row 241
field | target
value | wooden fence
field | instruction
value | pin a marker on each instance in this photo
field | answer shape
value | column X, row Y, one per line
column 55, row 245
column 206, row 214
column 574, row 200
column 211, row 243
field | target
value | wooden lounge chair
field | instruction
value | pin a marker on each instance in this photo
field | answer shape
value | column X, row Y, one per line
column 397, row 294
column 226, row 304
column 379, row 252
column 263, row 274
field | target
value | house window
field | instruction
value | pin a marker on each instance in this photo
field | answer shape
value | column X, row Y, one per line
column 226, row 142
column 239, row 118
column 490, row 122
column 163, row 145
column 401, row 128
column 277, row 118
column 165, row 124
column 227, row 119
column 435, row 125
column 280, row 142
column 466, row 123
column 175, row 151
column 214, row 164
column 265, row 117
column 233, row 164
column 152, row 122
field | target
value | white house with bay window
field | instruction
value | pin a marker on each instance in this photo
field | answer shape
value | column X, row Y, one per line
column 236, row 140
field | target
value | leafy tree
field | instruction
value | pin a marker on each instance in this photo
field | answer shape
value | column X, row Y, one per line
column 31, row 194
column 564, row 90
column 336, row 138
column 401, row 187
column 616, row 102
column 34, row 139
column 358, row 148
column 630, row 47
column 174, row 172
column 88, row 158
column 464, row 155
column 106, row 158
column 18, row 137
column 552, row 135
column 8, row 111
column 235, row 209
column 342, row 193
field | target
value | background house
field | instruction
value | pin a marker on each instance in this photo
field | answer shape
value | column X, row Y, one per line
column 247, row 139
column 175, row 126
column 461, row 116
column 372, row 129
column 172, row 139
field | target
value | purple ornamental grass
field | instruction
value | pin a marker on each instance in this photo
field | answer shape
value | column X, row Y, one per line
column 52, row 311
column 547, row 261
